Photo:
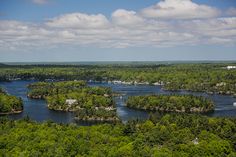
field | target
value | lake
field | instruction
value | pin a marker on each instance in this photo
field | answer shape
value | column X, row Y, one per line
column 38, row 111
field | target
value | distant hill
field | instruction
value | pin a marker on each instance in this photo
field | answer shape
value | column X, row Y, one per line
column 1, row 64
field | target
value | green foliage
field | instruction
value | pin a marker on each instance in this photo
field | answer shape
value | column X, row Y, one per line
column 10, row 104
column 56, row 94
column 43, row 89
column 171, row 135
column 194, row 77
column 175, row 103
column 96, row 114
column 90, row 103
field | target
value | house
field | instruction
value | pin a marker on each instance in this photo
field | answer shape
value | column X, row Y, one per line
column 106, row 95
column 220, row 84
column 109, row 108
column 234, row 104
column 117, row 82
column 195, row 141
column 71, row 101
column 158, row 83
column 231, row 67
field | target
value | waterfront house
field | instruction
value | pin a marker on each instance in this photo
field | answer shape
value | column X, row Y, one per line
column 71, row 101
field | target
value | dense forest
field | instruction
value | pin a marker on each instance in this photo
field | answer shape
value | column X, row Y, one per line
column 171, row 103
column 178, row 135
column 101, row 114
column 89, row 103
column 9, row 104
column 40, row 90
column 212, row 78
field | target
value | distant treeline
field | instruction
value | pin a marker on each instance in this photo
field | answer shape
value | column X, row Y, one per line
column 212, row 78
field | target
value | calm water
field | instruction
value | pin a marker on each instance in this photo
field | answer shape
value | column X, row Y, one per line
column 37, row 109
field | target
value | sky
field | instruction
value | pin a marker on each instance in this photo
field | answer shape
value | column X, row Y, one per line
column 118, row 30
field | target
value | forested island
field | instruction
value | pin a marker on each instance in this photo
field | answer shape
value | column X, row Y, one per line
column 171, row 103
column 204, row 77
column 9, row 104
column 171, row 135
column 41, row 90
column 89, row 103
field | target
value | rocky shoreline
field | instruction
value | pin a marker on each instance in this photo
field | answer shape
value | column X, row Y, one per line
column 36, row 96
column 60, row 109
column 12, row 112
column 171, row 103
column 102, row 119
column 183, row 110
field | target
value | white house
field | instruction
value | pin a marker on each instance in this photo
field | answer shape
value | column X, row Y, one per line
column 231, row 67
column 195, row 141
column 117, row 82
column 71, row 101
column 234, row 104
column 106, row 95
column 109, row 108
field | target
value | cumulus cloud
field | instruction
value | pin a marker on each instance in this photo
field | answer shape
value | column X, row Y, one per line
column 179, row 9
column 125, row 28
column 126, row 18
column 79, row 20
column 15, row 34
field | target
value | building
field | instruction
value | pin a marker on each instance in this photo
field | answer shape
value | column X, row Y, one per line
column 231, row 67
column 195, row 141
column 71, row 101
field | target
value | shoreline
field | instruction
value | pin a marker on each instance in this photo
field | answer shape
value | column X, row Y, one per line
column 98, row 119
column 8, row 113
column 172, row 111
column 119, row 82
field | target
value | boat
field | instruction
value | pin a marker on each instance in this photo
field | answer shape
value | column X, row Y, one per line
column 234, row 104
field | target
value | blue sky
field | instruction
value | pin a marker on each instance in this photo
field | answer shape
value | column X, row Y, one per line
column 124, row 30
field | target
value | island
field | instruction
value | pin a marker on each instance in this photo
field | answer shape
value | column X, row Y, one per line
column 88, row 103
column 171, row 103
column 40, row 90
column 9, row 104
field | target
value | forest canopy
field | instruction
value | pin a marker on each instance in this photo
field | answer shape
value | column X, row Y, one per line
column 171, row 103
column 89, row 103
column 10, row 104
column 171, row 135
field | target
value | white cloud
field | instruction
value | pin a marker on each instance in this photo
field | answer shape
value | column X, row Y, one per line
column 179, row 9
column 210, row 26
column 216, row 40
column 124, row 29
column 123, row 17
column 79, row 20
